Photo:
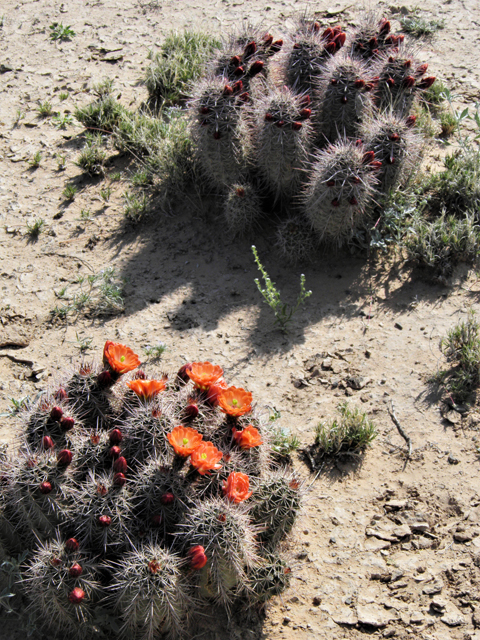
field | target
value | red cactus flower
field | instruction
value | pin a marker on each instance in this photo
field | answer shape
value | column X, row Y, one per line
column 119, row 358
column 184, row 440
column 236, row 487
column 47, row 443
column 67, row 423
column 75, row 570
column 120, row 465
column 214, row 391
column 115, row 436
column 204, row 374
column 104, row 521
column 248, row 438
column 147, row 389
column 76, row 596
column 119, row 479
column 46, row 487
column 328, row 34
column 72, row 545
column 198, row 558
column 64, row 457
column 235, row 401
column 56, row 413
column 205, row 458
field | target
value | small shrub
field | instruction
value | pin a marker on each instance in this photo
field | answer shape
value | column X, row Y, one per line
column 105, row 194
column 461, row 347
column 457, row 188
column 418, row 25
column 180, row 61
column 60, row 32
column 349, row 434
column 103, row 115
column 62, row 120
column 155, row 351
column 135, row 206
column 93, row 156
column 63, row 95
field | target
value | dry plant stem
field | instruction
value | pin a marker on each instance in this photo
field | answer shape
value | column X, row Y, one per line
column 407, row 439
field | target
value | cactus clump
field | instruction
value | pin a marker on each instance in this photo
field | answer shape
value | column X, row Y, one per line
column 242, row 208
column 149, row 514
column 373, row 37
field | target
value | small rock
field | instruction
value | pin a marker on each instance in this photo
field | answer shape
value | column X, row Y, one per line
column 476, row 619
column 420, row 527
column 397, row 574
column 385, row 576
column 382, row 535
column 317, row 601
column 396, row 505
column 453, row 616
column 402, row 531
column 422, row 543
column 435, row 587
column 438, row 604
column 462, row 536
column 373, row 616
column 397, row 325
column 345, row 616
column 416, row 618
column 358, row 382
column 327, row 364
column 453, row 417
column 286, row 620
column 389, row 633
column 452, row 459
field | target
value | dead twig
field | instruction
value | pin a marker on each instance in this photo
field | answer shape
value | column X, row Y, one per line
column 407, row 439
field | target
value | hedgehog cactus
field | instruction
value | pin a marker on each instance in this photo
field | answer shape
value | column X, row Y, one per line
column 395, row 145
column 295, row 241
column 344, row 98
column 311, row 48
column 242, row 208
column 284, row 135
column 150, row 513
column 373, row 37
column 219, row 129
column 340, row 190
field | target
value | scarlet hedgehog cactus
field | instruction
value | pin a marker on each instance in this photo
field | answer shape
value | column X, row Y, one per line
column 135, row 513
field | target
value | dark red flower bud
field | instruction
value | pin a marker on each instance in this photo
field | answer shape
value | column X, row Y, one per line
column 256, row 68
column 305, row 100
column 217, row 135
column 305, row 113
column 355, row 180
column 64, row 457
column 237, row 86
column 157, row 520
column 94, row 438
column 47, row 443
column 191, row 410
column 376, row 164
column 101, row 489
column 426, row 83
column 391, row 58
column 249, row 50
column 55, row 562
column 280, row 123
column 391, row 40
column 330, row 48
column 182, row 372
column 140, row 375
column 115, row 436
column 67, row 423
column 296, row 46
column 335, row 202
column 391, row 81
column 353, row 201
column 114, row 452
column 399, row 39
column 268, row 117
column 359, row 142
column 407, row 64
column 339, row 40
column 239, row 71
column 240, row 191
column 76, row 596
column 75, row 570
column 276, row 46
column 368, row 156
column 72, row 545
column 384, row 26
column 204, row 110
column 56, row 413
column 333, row 81
column 296, row 126
column 267, row 39
column 119, row 479
column 316, row 27
column 198, row 558
column 46, row 487
column 60, row 394
column 410, row 121
column 328, row 34
column 359, row 83
column 244, row 97
column 222, row 517
column 227, row 90
column 104, row 521
column 421, row 69
column 394, row 137
column 235, row 61
column 373, row 43
column 408, row 81
column 120, row 465
column 167, row 499
column 105, row 379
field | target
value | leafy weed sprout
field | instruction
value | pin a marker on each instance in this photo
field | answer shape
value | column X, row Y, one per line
column 418, row 25
column 35, row 160
column 156, row 351
column 70, row 192
column 105, row 194
column 61, row 121
column 44, row 109
column 61, row 162
column 349, row 434
column 94, row 295
column 61, row 32
column 103, row 115
column 283, row 312
column 461, row 347
column 179, row 62
column 34, row 229
column 135, row 206
column 63, row 95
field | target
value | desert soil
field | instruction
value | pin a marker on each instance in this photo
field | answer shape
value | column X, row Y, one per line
column 383, row 547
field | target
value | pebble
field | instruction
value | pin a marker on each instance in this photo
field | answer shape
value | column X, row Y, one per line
column 452, row 459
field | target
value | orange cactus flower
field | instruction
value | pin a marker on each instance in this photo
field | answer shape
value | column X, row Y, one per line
column 198, row 557
column 235, row 402
column 214, row 390
column 119, row 357
column 205, row 458
column 236, row 487
column 146, row 388
column 184, row 440
column 248, row 438
column 204, row 374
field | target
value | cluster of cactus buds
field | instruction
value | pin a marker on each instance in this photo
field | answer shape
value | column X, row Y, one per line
column 258, row 142
column 151, row 511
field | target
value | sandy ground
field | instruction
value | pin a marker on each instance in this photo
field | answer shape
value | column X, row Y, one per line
column 381, row 548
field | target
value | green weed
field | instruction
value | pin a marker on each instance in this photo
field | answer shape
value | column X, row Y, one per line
column 105, row 194
column 349, row 434
column 92, row 156
column 104, row 115
column 70, row 192
column 45, row 109
column 135, row 206
column 60, row 32
column 35, row 160
column 61, row 121
column 34, row 229
column 63, row 95
column 61, row 161
column 156, row 351
column 417, row 25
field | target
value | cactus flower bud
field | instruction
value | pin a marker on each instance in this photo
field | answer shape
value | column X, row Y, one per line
column 391, row 81
column 426, row 83
column 330, row 48
column 407, row 64
column 157, row 520
column 237, row 86
column 75, row 570
column 167, row 499
column 250, row 49
column 64, row 457
column 268, row 117
column 204, row 110
column 376, row 164
column 359, row 83
column 244, row 97
column 390, row 160
column 330, row 183
column 191, row 410
column 339, row 40
column 235, row 61
column 115, row 436
column 182, row 372
column 353, row 201
column 198, row 558
column 72, row 545
column 76, row 596
column 410, row 121
column 120, row 465
column 408, row 81
column 217, row 135
column 46, row 487
column 394, row 137
column 119, row 479
column 240, row 191
column 368, row 156
column 373, row 43
column 384, row 26
column 256, row 68
column 296, row 126
column 239, row 71
column 268, row 39
column 421, row 69
column 114, row 452
column 56, row 413
column 105, row 379
column 276, row 46
column 305, row 100
column 305, row 113
column 227, row 90
column 328, row 34
column 67, row 423
column 280, row 123
column 104, row 521
column 60, row 394
column 47, row 443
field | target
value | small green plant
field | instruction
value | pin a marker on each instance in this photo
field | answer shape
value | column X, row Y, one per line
column 92, row 156
column 103, row 89
column 61, row 121
column 85, row 215
column 141, row 178
column 103, row 115
column 115, row 177
column 61, row 161
column 17, row 405
column 283, row 312
column 84, row 343
column 70, row 192
column 34, row 229
column 135, row 206
column 63, row 95
column 461, row 347
column 448, row 124
column 60, row 32
column 35, row 160
column 284, row 442
column 45, row 109
column 155, row 351
column 418, row 25
column 105, row 194
column 19, row 115
column 349, row 434
column 10, row 574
